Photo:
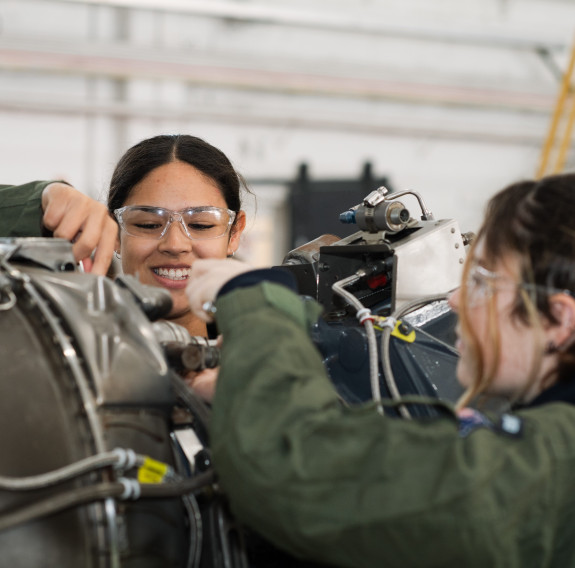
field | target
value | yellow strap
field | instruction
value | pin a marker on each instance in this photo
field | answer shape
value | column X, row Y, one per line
column 152, row 471
column 554, row 152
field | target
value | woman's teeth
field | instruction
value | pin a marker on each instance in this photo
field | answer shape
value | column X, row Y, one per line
column 173, row 273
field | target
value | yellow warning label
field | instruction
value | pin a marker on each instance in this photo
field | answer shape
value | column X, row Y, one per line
column 152, row 471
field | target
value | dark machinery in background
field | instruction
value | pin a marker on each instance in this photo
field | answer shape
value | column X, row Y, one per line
column 386, row 285
column 315, row 204
column 106, row 451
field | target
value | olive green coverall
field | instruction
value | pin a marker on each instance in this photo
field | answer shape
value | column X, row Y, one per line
column 350, row 487
column 21, row 210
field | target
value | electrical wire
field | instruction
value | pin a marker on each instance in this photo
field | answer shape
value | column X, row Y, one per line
column 387, row 371
column 198, row 408
column 339, row 288
column 385, row 341
column 367, row 322
column 119, row 458
column 101, row 491
column 196, row 530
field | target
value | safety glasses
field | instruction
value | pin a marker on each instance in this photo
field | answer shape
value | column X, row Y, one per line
column 199, row 223
column 483, row 283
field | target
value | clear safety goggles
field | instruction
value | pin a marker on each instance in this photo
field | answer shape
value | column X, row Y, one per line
column 483, row 283
column 199, row 223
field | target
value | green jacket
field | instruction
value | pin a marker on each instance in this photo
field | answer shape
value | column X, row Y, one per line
column 348, row 487
column 21, row 209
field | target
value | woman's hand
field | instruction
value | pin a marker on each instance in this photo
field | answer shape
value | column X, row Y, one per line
column 207, row 276
column 74, row 216
column 203, row 383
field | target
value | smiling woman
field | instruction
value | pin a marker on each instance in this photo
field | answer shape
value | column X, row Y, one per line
column 177, row 199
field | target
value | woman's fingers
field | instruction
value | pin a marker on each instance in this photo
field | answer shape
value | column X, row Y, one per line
column 71, row 215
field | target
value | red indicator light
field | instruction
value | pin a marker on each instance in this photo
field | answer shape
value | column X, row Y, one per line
column 377, row 281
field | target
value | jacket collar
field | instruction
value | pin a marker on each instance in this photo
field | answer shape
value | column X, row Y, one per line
column 563, row 391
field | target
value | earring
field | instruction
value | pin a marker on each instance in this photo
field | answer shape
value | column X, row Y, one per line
column 551, row 348
column 233, row 253
column 117, row 255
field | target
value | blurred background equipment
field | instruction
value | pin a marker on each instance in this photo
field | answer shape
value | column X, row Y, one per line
column 387, row 331
column 315, row 204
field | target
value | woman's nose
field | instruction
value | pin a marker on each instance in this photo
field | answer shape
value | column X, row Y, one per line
column 453, row 299
column 175, row 238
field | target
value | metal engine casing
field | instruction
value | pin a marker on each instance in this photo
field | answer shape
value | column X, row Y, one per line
column 82, row 373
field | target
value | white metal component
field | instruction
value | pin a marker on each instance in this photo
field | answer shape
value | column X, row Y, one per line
column 430, row 263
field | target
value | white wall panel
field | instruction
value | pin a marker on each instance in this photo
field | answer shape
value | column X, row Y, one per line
column 448, row 98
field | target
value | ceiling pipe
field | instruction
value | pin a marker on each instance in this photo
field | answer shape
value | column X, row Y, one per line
column 131, row 63
column 487, row 131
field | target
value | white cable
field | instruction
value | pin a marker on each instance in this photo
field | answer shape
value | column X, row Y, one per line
column 385, row 340
column 127, row 458
column 71, row 471
column 388, row 322
column 366, row 319
column 363, row 314
column 132, row 489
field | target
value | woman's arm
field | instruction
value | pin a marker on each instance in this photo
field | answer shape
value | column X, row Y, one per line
column 42, row 208
column 21, row 210
column 348, row 487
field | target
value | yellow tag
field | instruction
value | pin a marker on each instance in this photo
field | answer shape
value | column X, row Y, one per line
column 152, row 471
column 409, row 338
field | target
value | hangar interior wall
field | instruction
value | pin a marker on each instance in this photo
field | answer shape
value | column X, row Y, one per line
column 452, row 99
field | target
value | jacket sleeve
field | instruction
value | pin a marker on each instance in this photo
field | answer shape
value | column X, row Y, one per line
column 348, row 487
column 21, row 210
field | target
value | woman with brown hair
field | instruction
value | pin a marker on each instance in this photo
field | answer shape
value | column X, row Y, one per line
column 350, row 487
column 173, row 199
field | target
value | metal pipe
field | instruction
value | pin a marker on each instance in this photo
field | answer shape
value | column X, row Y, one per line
column 121, row 62
column 490, row 132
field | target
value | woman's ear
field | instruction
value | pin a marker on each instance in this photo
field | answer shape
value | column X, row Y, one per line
column 237, row 230
column 563, row 310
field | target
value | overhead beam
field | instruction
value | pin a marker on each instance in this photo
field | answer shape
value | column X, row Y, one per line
column 527, row 133
column 340, row 20
column 126, row 62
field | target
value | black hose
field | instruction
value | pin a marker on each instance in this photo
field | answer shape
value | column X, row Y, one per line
column 98, row 492
column 197, row 407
